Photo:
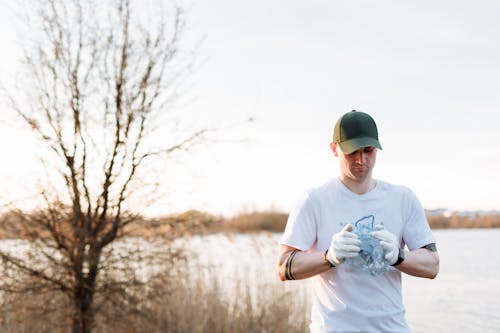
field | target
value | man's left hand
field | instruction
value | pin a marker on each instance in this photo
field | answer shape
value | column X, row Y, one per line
column 389, row 243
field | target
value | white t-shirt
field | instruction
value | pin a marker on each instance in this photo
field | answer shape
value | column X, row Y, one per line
column 347, row 299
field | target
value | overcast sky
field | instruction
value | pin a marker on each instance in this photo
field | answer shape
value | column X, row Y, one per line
column 427, row 71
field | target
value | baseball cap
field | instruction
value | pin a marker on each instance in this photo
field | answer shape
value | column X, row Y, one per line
column 355, row 130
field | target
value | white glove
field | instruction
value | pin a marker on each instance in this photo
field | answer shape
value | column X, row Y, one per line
column 345, row 244
column 389, row 243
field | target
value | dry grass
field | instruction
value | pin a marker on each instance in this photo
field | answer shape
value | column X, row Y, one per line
column 203, row 304
column 255, row 222
column 33, row 312
column 199, row 297
column 457, row 221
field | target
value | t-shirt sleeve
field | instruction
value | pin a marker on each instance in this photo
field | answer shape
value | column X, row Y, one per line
column 417, row 232
column 300, row 230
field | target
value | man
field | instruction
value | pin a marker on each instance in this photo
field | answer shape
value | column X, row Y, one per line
column 319, row 237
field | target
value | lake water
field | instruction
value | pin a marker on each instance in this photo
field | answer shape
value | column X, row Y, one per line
column 464, row 297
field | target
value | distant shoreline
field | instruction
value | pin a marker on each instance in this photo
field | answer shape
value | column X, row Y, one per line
column 275, row 221
column 195, row 222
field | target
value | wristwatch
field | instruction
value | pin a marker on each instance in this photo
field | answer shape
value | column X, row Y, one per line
column 401, row 257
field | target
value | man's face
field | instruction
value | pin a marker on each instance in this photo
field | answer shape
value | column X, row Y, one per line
column 357, row 165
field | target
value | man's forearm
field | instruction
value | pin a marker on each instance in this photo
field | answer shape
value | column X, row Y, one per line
column 300, row 265
column 420, row 263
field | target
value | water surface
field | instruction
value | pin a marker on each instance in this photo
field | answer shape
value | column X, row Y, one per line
column 464, row 297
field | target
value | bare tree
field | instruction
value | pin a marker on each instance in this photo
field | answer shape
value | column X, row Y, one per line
column 99, row 82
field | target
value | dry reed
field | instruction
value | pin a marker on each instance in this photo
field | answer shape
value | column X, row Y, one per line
column 198, row 297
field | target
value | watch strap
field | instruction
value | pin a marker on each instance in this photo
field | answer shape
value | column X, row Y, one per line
column 401, row 257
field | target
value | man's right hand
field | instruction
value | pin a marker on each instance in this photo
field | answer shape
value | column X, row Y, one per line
column 345, row 244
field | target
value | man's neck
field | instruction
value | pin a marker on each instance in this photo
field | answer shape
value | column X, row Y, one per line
column 358, row 186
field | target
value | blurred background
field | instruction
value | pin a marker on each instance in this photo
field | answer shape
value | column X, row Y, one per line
column 427, row 72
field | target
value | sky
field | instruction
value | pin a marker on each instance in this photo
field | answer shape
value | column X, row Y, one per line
column 427, row 71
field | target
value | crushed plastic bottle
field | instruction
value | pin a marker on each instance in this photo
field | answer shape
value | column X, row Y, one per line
column 371, row 257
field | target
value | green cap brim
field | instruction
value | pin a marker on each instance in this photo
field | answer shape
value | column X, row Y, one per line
column 350, row 146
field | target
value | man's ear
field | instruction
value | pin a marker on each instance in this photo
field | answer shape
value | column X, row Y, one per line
column 334, row 147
